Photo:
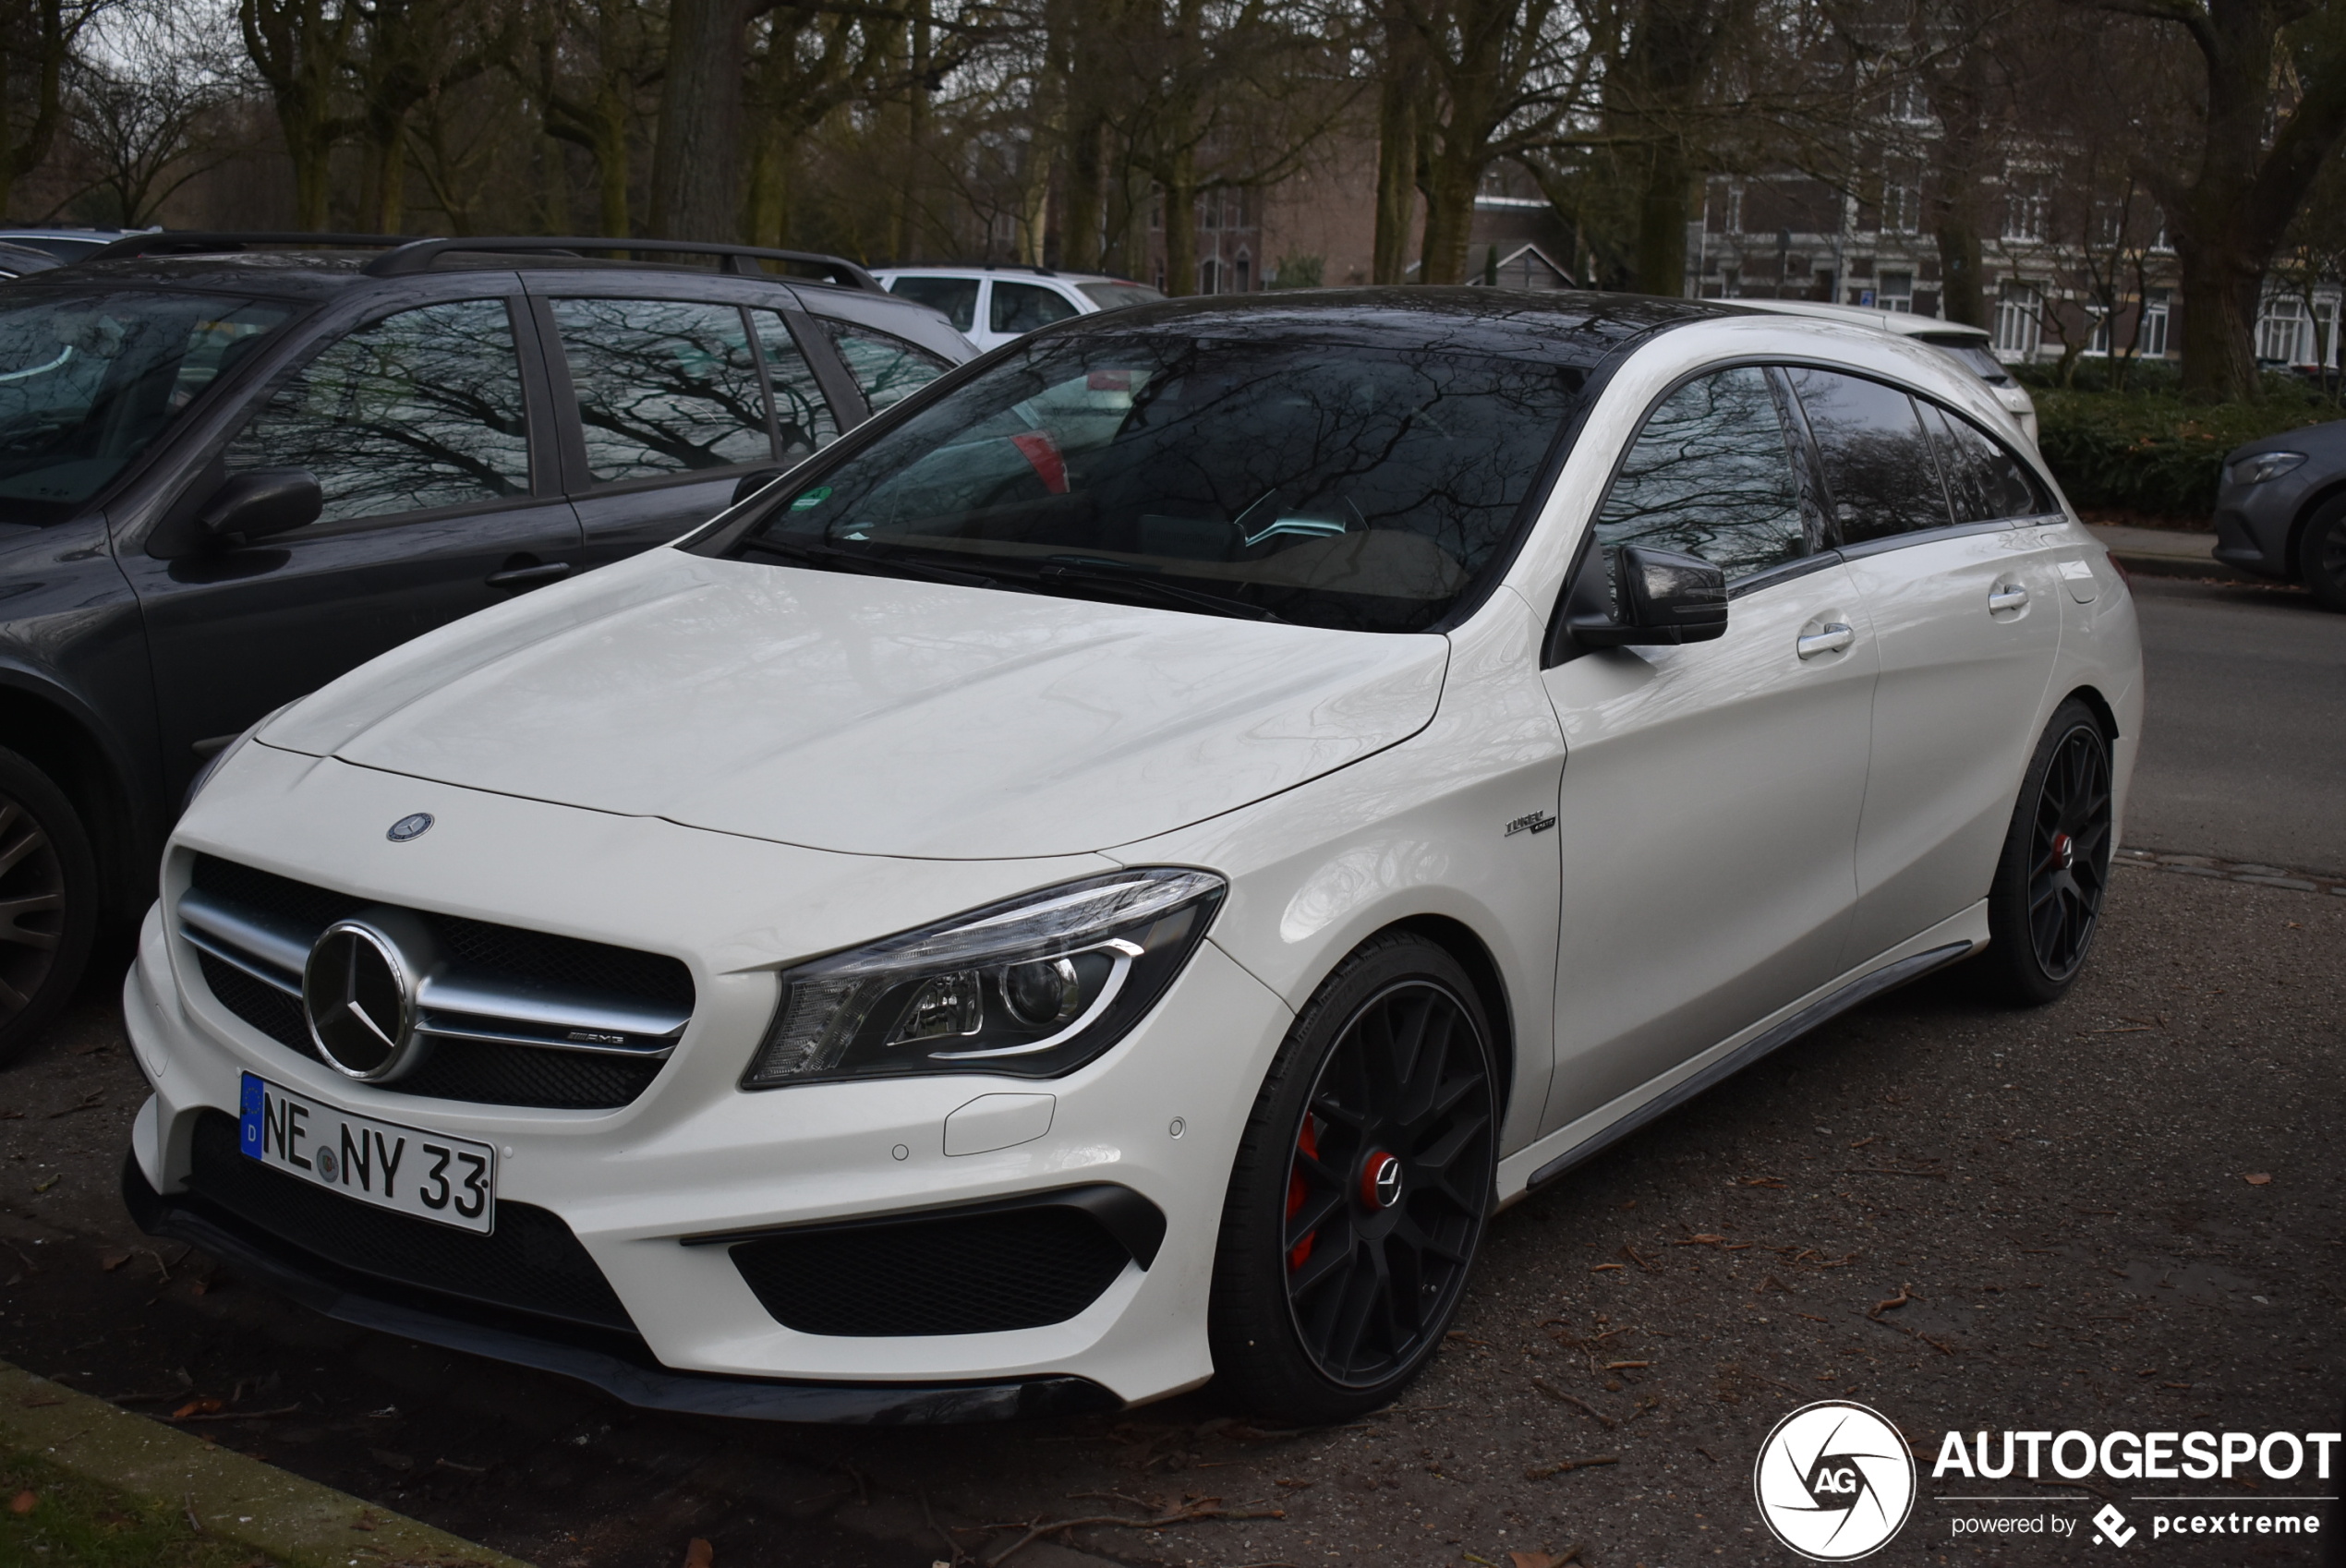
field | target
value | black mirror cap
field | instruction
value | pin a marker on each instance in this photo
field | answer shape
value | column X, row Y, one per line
column 260, row 502
column 753, row 481
column 1660, row 599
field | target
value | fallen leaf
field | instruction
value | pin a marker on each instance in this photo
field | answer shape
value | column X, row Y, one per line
column 700, row 1554
column 23, row 1503
column 195, row 1407
column 113, row 1261
column 2259, row 1179
column 1544, row 1559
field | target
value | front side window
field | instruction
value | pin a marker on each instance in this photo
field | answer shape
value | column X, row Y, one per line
column 1022, row 307
column 1328, row 483
column 422, row 409
column 1985, row 481
column 1878, row 465
column 89, row 381
column 885, row 367
column 1710, row 475
column 664, row 386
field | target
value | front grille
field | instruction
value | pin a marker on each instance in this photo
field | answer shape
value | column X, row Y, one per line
column 944, row 1273
column 531, row 1262
column 523, row 993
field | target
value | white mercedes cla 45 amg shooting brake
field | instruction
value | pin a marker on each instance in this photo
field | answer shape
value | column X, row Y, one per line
column 1109, row 875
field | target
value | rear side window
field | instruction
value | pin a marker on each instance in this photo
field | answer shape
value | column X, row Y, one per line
column 886, row 369
column 802, row 420
column 955, row 296
column 422, row 409
column 1711, row 475
column 1878, row 463
column 1985, row 481
column 1022, row 307
column 664, row 386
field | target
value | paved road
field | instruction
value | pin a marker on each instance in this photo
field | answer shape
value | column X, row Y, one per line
column 2062, row 1197
column 2244, row 749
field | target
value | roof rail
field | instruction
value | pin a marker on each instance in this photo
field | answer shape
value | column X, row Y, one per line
column 405, row 255
column 417, row 255
column 203, row 242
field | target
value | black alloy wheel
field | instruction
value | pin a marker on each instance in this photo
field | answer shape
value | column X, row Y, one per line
column 1361, row 1195
column 2045, row 904
column 2321, row 555
column 47, row 880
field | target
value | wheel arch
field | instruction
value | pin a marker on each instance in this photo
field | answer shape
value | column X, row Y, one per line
column 1459, row 939
column 2103, row 713
column 2291, row 563
column 46, row 730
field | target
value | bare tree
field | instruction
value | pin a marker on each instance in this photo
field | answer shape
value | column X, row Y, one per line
column 146, row 91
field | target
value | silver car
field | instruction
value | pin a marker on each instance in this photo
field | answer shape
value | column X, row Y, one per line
column 2280, row 510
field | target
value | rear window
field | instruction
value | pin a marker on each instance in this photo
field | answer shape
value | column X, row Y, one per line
column 1359, row 487
column 1117, row 295
column 1974, row 356
column 957, row 297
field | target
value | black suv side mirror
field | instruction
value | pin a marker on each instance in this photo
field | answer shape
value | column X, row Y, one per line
column 1649, row 596
column 258, row 503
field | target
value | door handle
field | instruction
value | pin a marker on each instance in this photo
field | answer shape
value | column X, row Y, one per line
column 1828, row 639
column 528, row 576
column 2006, row 595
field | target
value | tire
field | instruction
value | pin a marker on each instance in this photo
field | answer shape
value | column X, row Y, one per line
column 2045, row 904
column 1331, row 1289
column 2321, row 555
column 48, row 902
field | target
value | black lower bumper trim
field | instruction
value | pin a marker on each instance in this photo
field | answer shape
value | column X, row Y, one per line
column 602, row 1360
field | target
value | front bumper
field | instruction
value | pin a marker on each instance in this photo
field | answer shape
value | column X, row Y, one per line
column 641, row 1186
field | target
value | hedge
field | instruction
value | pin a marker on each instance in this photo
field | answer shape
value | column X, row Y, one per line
column 2152, row 453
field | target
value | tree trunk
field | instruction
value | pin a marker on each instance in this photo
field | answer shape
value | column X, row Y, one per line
column 697, row 159
column 1962, row 292
column 50, row 41
column 1180, row 225
column 2220, row 285
column 383, row 176
column 1080, row 231
column 1399, row 150
column 1449, row 216
column 1662, row 219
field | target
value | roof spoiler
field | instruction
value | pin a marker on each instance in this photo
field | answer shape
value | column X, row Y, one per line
column 405, row 256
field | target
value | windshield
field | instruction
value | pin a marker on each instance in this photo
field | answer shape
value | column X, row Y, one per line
column 1116, row 296
column 1324, row 484
column 89, row 381
column 1975, row 356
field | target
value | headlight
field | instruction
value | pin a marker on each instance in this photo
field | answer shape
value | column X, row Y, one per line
column 2264, row 465
column 220, row 758
column 1034, row 987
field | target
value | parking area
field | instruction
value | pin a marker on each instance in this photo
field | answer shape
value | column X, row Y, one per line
column 2122, row 1212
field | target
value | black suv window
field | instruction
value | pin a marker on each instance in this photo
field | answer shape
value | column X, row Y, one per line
column 1711, row 475
column 664, row 386
column 1985, row 481
column 1022, row 307
column 1876, row 462
column 887, row 368
column 421, row 409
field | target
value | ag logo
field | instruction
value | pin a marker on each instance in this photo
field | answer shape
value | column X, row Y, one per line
column 1834, row 1481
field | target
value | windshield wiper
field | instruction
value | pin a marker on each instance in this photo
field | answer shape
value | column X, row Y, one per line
column 1142, row 583
column 873, row 563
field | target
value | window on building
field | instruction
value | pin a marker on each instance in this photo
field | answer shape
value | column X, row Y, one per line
column 2152, row 343
column 2027, row 209
column 2019, row 321
column 1734, row 209
column 1894, row 291
column 1901, row 196
column 1242, row 274
column 2280, row 329
column 1909, row 104
column 2097, row 337
column 1209, row 276
column 1157, row 207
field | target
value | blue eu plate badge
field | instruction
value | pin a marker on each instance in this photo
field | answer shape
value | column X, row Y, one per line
column 249, row 1106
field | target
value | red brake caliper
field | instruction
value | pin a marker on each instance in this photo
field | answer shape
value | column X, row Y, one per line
column 1308, row 1143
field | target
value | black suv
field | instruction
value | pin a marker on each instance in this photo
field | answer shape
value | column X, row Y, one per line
column 233, row 466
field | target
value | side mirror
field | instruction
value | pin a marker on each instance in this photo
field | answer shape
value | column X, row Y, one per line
column 1652, row 596
column 753, row 481
column 258, row 503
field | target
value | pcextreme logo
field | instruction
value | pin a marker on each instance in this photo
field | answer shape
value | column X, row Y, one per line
column 1834, row 1481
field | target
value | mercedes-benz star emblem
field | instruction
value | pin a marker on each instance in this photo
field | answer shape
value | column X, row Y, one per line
column 359, row 996
column 1381, row 1181
column 413, row 825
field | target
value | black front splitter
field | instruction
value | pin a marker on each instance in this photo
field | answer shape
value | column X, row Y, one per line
column 636, row 1380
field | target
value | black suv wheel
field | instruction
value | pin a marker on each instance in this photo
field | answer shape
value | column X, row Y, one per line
column 48, row 901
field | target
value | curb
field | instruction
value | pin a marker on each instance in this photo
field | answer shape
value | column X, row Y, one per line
column 234, row 1498
column 2183, row 566
column 2234, row 871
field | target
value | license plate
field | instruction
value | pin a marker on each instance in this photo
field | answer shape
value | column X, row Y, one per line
column 452, row 1181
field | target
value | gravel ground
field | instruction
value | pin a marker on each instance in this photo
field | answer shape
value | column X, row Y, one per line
column 2063, row 1199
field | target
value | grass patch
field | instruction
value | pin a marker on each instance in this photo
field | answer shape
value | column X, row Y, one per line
column 2151, row 452
column 77, row 1524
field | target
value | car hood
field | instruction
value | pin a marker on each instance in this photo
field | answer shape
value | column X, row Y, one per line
column 871, row 714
